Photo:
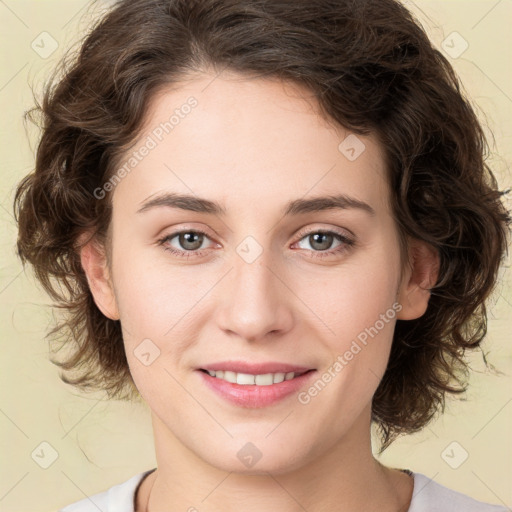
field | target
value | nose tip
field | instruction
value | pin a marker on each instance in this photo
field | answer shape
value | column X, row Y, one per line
column 255, row 302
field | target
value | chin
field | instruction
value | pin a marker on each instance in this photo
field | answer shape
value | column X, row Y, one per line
column 255, row 458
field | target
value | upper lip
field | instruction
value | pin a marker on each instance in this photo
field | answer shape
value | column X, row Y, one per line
column 255, row 368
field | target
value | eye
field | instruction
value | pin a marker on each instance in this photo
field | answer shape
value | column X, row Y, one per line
column 190, row 242
column 322, row 240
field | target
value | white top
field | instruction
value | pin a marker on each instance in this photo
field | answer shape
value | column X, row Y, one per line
column 428, row 496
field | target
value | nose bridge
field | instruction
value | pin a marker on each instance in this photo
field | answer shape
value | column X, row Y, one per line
column 253, row 279
column 254, row 299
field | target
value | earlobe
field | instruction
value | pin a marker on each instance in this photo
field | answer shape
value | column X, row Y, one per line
column 420, row 276
column 94, row 263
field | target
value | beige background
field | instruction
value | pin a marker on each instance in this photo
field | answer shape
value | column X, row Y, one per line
column 99, row 443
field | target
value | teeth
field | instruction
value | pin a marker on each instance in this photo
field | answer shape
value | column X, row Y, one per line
column 266, row 379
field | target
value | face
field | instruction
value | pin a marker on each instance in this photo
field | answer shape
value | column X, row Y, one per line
column 260, row 274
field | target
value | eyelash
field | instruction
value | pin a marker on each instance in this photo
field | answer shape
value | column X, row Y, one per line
column 346, row 243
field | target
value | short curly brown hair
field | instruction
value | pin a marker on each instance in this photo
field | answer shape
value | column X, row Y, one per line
column 371, row 68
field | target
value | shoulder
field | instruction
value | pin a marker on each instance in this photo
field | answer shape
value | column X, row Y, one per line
column 428, row 495
column 119, row 498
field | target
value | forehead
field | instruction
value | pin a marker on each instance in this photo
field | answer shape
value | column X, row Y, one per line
column 248, row 142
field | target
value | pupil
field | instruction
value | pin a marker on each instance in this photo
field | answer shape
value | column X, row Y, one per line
column 318, row 236
column 188, row 238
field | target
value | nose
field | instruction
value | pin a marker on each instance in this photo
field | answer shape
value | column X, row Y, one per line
column 255, row 300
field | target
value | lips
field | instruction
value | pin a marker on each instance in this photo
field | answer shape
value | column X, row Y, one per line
column 254, row 395
column 255, row 368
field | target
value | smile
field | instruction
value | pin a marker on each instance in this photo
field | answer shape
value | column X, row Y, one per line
column 246, row 379
column 254, row 390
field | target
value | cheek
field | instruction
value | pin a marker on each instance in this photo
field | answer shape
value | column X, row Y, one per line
column 151, row 295
column 357, row 305
column 351, row 297
column 158, row 309
column 163, row 303
column 144, row 301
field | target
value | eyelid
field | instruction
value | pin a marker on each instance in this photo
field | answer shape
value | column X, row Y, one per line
column 342, row 232
column 171, row 231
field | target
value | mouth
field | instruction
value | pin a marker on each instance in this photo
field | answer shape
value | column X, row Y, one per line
column 251, row 385
column 249, row 379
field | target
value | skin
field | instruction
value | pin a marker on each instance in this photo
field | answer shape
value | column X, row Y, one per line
column 253, row 145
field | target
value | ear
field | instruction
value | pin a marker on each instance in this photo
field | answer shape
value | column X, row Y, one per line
column 419, row 277
column 94, row 263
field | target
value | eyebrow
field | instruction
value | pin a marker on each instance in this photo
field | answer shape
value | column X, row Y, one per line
column 296, row 207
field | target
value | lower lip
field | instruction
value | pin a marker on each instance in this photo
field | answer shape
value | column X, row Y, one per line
column 248, row 395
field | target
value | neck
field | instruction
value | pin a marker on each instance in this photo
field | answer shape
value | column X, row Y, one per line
column 339, row 479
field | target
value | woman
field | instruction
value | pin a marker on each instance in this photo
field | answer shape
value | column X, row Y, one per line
column 273, row 221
